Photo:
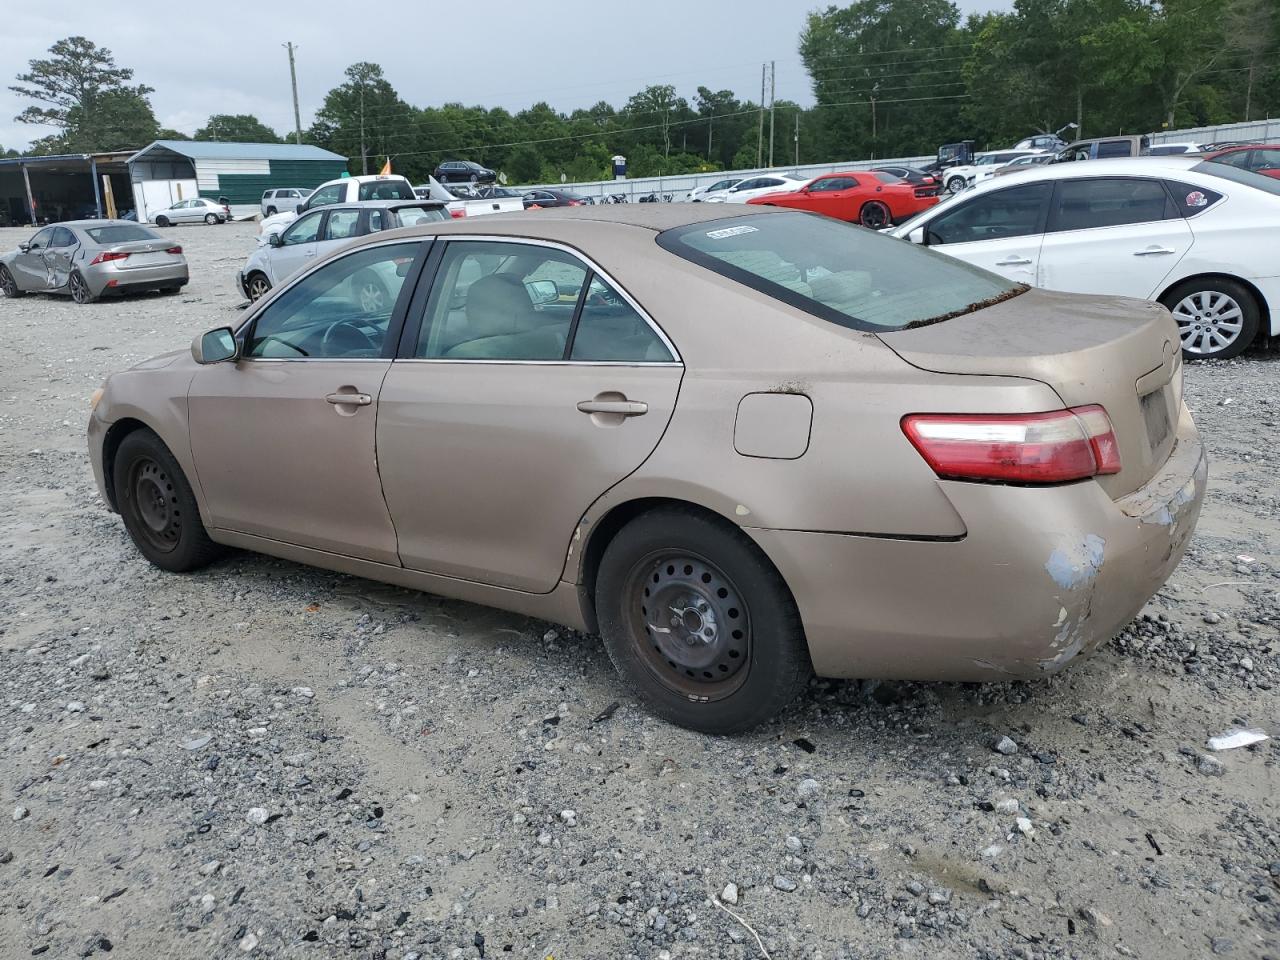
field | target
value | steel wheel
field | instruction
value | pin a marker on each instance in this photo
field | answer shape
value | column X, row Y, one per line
column 874, row 215
column 1209, row 321
column 692, row 624
column 258, row 287
column 154, row 503
column 79, row 289
column 8, row 286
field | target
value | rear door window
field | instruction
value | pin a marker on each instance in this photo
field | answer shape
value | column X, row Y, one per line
column 1114, row 148
column 1014, row 212
column 610, row 330
column 1190, row 200
column 342, row 225
column 1109, row 202
column 837, row 271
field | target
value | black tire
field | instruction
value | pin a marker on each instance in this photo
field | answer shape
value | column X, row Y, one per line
column 9, row 286
column 875, row 215
column 754, row 660
column 259, row 286
column 158, row 507
column 271, row 211
column 79, row 288
column 162, row 221
column 955, row 184
column 475, row 178
column 169, row 291
column 1217, row 318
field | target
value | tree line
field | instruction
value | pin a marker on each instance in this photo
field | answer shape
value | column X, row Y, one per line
column 889, row 78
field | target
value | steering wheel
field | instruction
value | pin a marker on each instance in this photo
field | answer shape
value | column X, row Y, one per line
column 369, row 342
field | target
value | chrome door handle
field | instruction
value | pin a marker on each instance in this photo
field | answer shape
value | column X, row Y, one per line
column 1153, row 252
column 350, row 399
column 624, row 408
column 1013, row 262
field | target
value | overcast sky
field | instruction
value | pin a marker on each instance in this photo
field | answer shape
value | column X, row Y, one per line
column 570, row 53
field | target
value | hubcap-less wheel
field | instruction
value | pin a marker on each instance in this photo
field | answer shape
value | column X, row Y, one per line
column 874, row 215
column 692, row 624
column 155, row 503
column 162, row 221
column 79, row 289
column 8, row 286
column 258, row 287
column 373, row 296
column 1208, row 321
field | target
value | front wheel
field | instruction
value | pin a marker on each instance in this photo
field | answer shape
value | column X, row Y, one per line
column 79, row 288
column 1217, row 318
column 874, row 215
column 259, row 286
column 955, row 184
column 8, row 285
column 162, row 221
column 372, row 294
column 696, row 619
column 157, row 505
column 271, row 211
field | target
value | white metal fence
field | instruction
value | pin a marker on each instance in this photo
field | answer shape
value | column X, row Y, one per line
column 679, row 186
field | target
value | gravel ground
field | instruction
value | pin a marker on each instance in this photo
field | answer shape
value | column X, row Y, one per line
column 268, row 760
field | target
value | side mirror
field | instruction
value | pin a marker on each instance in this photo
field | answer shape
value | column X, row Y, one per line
column 917, row 236
column 300, row 207
column 215, row 346
column 24, row 247
column 542, row 291
column 275, row 240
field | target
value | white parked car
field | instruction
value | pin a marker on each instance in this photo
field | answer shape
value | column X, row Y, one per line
column 706, row 192
column 309, row 238
column 759, row 186
column 282, row 198
column 342, row 190
column 1198, row 236
column 984, row 166
column 199, row 210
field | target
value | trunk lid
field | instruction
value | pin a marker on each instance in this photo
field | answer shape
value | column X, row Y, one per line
column 144, row 253
column 1120, row 353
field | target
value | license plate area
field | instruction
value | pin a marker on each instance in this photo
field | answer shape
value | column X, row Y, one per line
column 1155, row 413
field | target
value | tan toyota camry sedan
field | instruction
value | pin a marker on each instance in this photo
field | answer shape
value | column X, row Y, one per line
column 742, row 447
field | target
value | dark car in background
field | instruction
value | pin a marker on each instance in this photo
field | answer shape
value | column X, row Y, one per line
column 553, row 198
column 913, row 175
column 464, row 171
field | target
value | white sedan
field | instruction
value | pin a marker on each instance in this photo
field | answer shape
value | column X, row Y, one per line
column 1197, row 236
column 982, row 169
column 717, row 189
column 199, row 210
column 759, row 186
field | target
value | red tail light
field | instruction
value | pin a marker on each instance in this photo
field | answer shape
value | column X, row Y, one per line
column 107, row 257
column 174, row 250
column 458, row 214
column 575, row 203
column 1055, row 447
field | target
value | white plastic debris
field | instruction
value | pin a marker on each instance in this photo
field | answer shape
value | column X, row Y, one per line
column 1237, row 737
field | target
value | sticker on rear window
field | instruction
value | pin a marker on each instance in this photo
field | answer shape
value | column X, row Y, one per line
column 733, row 231
column 1197, row 199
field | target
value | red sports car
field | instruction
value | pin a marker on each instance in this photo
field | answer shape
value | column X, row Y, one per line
column 1261, row 158
column 874, row 200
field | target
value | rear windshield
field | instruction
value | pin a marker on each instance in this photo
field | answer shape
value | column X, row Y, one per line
column 837, row 271
column 119, row 233
column 411, row 216
column 387, row 190
column 1227, row 172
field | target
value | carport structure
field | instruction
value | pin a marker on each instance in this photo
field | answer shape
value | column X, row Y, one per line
column 62, row 187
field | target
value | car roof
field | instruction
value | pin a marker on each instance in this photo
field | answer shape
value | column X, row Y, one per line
column 1116, row 167
column 1247, row 146
column 380, row 204
column 98, row 223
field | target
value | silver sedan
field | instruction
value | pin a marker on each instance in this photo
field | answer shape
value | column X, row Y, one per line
column 87, row 259
column 199, row 210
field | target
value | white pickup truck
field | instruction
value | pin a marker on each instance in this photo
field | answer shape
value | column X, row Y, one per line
column 464, row 206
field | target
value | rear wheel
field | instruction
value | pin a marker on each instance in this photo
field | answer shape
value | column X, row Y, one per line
column 372, row 293
column 162, row 221
column 271, row 211
column 79, row 288
column 874, row 215
column 9, row 286
column 259, row 286
column 696, row 619
column 1217, row 318
column 211, row 218
column 955, row 184
column 157, row 505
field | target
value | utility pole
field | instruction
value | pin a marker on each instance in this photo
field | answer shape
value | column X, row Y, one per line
column 760, row 131
column 797, row 137
column 710, row 120
column 773, row 64
column 364, row 153
column 293, row 79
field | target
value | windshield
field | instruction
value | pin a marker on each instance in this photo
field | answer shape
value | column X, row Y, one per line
column 119, row 233
column 1215, row 168
column 837, row 271
column 397, row 189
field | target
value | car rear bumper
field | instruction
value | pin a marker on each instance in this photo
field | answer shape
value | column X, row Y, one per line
column 97, row 437
column 108, row 281
column 1042, row 576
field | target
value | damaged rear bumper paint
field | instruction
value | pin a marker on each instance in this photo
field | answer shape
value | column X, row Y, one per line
column 991, row 605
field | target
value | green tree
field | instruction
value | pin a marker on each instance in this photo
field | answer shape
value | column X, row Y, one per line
column 364, row 118
column 237, row 128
